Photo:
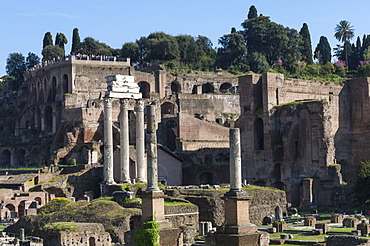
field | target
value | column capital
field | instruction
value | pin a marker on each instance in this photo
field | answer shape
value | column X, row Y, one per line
column 108, row 102
column 124, row 102
column 139, row 105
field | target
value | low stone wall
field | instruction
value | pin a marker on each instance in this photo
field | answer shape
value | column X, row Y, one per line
column 346, row 241
column 212, row 208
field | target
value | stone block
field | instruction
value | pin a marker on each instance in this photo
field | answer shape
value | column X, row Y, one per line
column 323, row 226
column 336, row 218
column 280, row 226
column 356, row 233
column 364, row 228
column 310, row 221
column 271, row 230
column 350, row 222
column 246, row 239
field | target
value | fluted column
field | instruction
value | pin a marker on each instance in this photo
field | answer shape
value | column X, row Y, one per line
column 124, row 140
column 108, row 142
column 140, row 142
column 152, row 150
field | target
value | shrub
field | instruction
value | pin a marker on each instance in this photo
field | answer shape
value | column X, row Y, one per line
column 148, row 235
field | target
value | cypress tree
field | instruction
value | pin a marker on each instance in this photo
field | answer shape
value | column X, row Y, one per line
column 306, row 46
column 48, row 40
column 323, row 51
column 252, row 12
column 76, row 41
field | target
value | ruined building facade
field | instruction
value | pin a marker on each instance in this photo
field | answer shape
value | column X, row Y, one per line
column 57, row 117
column 300, row 136
column 303, row 137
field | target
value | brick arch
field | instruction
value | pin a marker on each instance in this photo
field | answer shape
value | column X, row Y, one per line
column 5, row 158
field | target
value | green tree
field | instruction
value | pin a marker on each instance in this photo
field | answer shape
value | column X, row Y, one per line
column 142, row 42
column 61, row 40
column 266, row 38
column 252, row 12
column 162, row 46
column 257, row 62
column 306, row 46
column 323, row 51
column 76, row 42
column 48, row 40
column 52, row 51
column 292, row 54
column 90, row 46
column 16, row 66
column 344, row 32
column 186, row 44
column 232, row 51
column 131, row 50
column 361, row 189
column 32, row 60
column 205, row 55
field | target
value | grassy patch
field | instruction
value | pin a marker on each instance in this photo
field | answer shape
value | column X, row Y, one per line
column 62, row 226
column 176, row 203
column 2, row 227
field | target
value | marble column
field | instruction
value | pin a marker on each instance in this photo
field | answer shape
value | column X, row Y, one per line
column 124, row 141
column 152, row 150
column 140, row 142
column 108, row 142
column 235, row 161
column 54, row 123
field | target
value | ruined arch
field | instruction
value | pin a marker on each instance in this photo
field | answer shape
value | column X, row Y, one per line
column 175, row 87
column 171, row 126
column 167, row 108
column 22, row 209
column 208, row 88
column 48, row 119
column 258, row 134
column 5, row 159
column 276, row 172
column 219, row 121
column 225, row 87
column 11, row 211
column 144, row 89
column 20, row 157
column 65, row 84
column 52, row 90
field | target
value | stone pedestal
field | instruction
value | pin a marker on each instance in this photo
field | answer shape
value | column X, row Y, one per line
column 336, row 218
column 152, row 205
column 310, row 221
column 237, row 213
column 323, row 226
column 246, row 239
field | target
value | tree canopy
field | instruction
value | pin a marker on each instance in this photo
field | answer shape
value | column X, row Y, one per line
column 76, row 42
column 323, row 51
column 344, row 32
column 306, row 46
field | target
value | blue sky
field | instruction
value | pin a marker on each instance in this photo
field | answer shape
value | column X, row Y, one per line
column 114, row 22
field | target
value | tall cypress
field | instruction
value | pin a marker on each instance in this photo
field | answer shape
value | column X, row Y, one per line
column 252, row 12
column 323, row 51
column 306, row 46
column 48, row 40
column 76, row 41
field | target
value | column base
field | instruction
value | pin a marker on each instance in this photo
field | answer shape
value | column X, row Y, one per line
column 152, row 205
column 245, row 239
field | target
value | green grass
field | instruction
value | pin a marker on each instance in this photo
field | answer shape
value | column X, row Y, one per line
column 177, row 203
column 2, row 227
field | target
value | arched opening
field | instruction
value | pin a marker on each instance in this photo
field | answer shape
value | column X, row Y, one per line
column 10, row 214
column 91, row 241
column 208, row 160
column 219, row 121
column 52, row 90
column 65, row 86
column 21, row 209
column 38, row 200
column 277, row 171
column 48, row 119
column 168, row 108
column 171, row 135
column 5, row 159
column 196, row 89
column 20, row 160
column 258, row 134
column 175, row 87
column 208, row 88
column 206, row 178
column 144, row 89
column 225, row 87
